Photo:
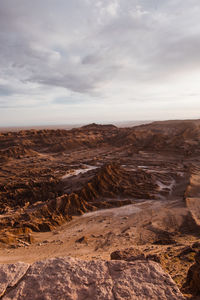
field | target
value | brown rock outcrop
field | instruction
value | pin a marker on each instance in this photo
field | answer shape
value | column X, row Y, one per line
column 17, row 194
column 69, row 278
column 110, row 181
column 129, row 254
column 132, row 254
column 193, row 277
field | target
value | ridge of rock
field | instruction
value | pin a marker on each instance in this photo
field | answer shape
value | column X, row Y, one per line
column 110, row 181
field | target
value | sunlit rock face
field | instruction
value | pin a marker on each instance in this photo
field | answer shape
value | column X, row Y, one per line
column 69, row 278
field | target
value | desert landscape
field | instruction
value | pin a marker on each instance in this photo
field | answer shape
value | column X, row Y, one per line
column 101, row 193
column 99, row 150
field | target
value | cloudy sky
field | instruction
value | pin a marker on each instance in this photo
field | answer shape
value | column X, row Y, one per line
column 85, row 61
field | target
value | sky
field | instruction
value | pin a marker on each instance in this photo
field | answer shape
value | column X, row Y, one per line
column 83, row 61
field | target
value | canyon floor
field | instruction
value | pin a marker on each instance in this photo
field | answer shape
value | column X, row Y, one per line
column 94, row 190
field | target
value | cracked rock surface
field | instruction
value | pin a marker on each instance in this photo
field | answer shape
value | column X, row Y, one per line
column 10, row 275
column 74, row 279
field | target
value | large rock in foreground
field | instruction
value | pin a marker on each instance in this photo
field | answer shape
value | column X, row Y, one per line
column 73, row 279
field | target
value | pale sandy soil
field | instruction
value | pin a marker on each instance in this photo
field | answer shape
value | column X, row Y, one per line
column 105, row 231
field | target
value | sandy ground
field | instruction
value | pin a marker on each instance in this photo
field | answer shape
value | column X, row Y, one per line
column 97, row 234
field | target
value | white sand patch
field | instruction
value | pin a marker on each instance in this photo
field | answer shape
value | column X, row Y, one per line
column 180, row 174
column 163, row 186
column 125, row 210
column 116, row 211
column 143, row 167
column 76, row 172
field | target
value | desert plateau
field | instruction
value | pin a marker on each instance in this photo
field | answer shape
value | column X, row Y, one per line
column 99, row 150
column 99, row 194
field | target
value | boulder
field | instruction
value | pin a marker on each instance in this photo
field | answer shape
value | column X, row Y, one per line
column 129, row 254
column 73, row 279
column 132, row 254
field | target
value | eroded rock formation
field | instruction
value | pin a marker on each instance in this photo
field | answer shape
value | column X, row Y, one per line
column 110, row 181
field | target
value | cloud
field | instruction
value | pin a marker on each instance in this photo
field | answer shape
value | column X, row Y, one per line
column 6, row 90
column 109, row 49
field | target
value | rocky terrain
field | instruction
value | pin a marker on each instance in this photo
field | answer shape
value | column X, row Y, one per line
column 96, row 190
column 76, row 279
